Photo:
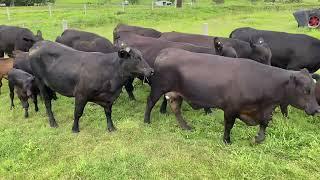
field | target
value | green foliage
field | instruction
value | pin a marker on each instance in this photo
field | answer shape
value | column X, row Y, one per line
column 29, row 149
column 26, row 2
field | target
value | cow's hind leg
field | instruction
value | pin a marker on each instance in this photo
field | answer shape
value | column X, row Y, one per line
column 163, row 108
column 175, row 102
column 129, row 88
column 108, row 112
column 11, row 88
column 154, row 96
column 35, row 102
column 284, row 110
column 47, row 102
column 80, row 103
column 0, row 84
column 229, row 120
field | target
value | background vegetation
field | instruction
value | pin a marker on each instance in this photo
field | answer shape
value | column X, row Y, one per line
column 29, row 149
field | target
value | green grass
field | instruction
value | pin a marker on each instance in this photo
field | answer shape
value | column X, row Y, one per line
column 29, row 149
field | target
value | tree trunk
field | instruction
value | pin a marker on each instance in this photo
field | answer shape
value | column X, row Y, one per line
column 179, row 3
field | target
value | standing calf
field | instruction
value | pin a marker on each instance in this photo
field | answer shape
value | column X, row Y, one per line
column 25, row 88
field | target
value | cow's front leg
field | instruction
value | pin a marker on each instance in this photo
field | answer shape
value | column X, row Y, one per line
column 25, row 105
column 80, row 103
column 266, row 116
column 129, row 88
column 47, row 102
column 261, row 136
column 108, row 112
column 229, row 120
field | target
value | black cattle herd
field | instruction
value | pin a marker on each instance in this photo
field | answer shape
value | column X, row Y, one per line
column 246, row 75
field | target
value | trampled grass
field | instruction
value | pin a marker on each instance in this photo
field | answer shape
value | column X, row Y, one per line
column 29, row 149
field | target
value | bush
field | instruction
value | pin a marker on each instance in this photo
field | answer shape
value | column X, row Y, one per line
column 25, row 2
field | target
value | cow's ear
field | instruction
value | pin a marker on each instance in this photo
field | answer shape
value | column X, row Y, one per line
column 305, row 71
column 39, row 33
column 217, row 44
column 122, row 53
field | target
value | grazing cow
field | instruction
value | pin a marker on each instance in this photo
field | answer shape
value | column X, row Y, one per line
column 257, row 50
column 123, row 28
column 16, row 38
column 289, row 51
column 25, row 89
column 5, row 66
column 235, row 86
column 89, row 77
column 85, row 41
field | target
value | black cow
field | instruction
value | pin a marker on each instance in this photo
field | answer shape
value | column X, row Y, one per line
column 25, row 88
column 16, row 38
column 289, row 51
column 241, row 88
column 85, row 41
column 142, row 31
column 257, row 50
column 150, row 47
column 87, row 76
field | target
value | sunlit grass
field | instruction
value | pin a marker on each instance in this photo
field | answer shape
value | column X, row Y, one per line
column 29, row 149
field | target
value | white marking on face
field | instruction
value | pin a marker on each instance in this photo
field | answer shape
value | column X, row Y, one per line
column 315, row 81
column 167, row 97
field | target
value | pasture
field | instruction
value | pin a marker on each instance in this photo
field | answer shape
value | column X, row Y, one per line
column 29, row 149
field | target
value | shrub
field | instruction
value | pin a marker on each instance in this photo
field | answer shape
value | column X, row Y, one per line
column 25, row 2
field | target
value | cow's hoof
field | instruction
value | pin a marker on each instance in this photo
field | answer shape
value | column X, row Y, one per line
column 186, row 127
column 111, row 129
column 147, row 121
column 227, row 141
column 54, row 125
column 37, row 110
column 258, row 140
column 163, row 111
column 132, row 98
column 75, row 130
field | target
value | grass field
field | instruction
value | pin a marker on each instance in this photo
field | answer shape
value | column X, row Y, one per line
column 29, row 149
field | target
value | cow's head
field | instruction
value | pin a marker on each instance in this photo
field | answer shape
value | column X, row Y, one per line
column 28, row 85
column 26, row 41
column 224, row 50
column 301, row 92
column 260, row 51
column 133, row 63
